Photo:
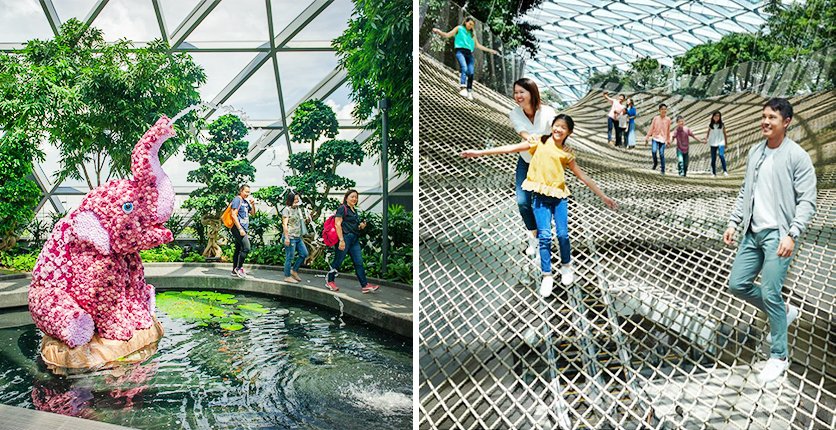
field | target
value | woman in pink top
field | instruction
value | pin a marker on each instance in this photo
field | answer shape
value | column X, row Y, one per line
column 612, row 117
column 659, row 134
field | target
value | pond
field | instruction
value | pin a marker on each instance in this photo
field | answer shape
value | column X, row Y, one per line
column 281, row 365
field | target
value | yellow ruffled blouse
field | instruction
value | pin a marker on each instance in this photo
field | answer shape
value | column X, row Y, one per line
column 546, row 173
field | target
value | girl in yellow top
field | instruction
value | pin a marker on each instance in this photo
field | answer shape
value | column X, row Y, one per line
column 546, row 180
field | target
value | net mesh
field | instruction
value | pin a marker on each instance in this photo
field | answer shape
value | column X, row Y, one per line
column 648, row 335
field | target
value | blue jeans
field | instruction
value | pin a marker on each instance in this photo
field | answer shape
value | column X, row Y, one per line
column 757, row 253
column 466, row 66
column 682, row 162
column 660, row 147
column 352, row 248
column 546, row 208
column 610, row 125
column 524, row 202
column 718, row 150
column 295, row 249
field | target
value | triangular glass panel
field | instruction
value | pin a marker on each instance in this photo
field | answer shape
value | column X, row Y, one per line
column 329, row 24
column 135, row 21
column 258, row 96
column 242, row 21
column 220, row 68
column 71, row 9
column 301, row 72
column 23, row 21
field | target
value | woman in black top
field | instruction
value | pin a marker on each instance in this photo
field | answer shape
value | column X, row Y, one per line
column 348, row 225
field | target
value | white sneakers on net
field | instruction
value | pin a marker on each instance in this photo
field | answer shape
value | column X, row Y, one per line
column 470, row 95
column 792, row 314
column 567, row 274
column 463, row 92
column 533, row 246
column 546, row 285
column 773, row 369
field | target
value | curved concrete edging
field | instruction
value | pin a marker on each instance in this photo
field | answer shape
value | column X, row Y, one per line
column 389, row 309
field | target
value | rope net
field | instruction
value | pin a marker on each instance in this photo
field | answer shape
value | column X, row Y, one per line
column 648, row 335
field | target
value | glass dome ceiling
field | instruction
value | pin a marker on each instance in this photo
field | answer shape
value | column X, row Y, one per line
column 262, row 58
column 580, row 37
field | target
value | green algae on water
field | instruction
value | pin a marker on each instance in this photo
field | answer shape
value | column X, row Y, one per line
column 208, row 308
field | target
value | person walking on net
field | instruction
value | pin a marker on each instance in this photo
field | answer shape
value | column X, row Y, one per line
column 774, row 206
column 682, row 135
column 717, row 138
column 659, row 135
column 612, row 117
column 465, row 44
column 547, row 181
column 529, row 118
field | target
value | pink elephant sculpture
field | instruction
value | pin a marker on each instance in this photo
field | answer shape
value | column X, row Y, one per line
column 89, row 276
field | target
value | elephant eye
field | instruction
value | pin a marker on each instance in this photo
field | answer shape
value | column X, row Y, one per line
column 128, row 207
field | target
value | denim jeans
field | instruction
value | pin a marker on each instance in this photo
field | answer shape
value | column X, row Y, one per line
column 610, row 125
column 296, row 249
column 660, row 147
column 524, row 202
column 546, row 208
column 466, row 67
column 682, row 162
column 352, row 248
column 757, row 253
column 721, row 151
column 242, row 248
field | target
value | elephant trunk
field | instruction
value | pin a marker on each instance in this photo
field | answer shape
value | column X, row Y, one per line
column 146, row 168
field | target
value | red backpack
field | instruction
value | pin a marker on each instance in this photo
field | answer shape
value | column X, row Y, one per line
column 329, row 230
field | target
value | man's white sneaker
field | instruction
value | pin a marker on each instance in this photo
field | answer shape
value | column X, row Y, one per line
column 546, row 285
column 792, row 314
column 470, row 95
column 567, row 274
column 725, row 173
column 463, row 92
column 773, row 369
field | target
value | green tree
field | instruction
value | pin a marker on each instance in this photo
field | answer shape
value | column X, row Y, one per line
column 98, row 98
column 312, row 121
column 223, row 168
column 376, row 52
column 19, row 195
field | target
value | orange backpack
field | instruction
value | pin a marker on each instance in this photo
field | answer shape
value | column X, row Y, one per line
column 226, row 217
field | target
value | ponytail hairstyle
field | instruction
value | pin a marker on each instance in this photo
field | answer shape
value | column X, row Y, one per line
column 570, row 123
column 720, row 122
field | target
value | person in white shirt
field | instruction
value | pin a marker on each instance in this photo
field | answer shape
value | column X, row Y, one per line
column 612, row 116
column 717, row 138
column 529, row 118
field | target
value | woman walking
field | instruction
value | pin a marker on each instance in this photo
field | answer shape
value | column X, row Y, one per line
column 612, row 117
column 465, row 43
column 631, row 128
column 529, row 118
column 717, row 139
column 348, row 225
column 242, row 206
column 293, row 228
column 547, row 181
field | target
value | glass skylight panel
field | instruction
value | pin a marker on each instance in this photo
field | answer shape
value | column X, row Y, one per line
column 258, row 96
column 284, row 12
column 67, row 9
column 175, row 11
column 239, row 20
column 23, row 20
column 301, row 71
column 329, row 24
column 135, row 21
column 220, row 68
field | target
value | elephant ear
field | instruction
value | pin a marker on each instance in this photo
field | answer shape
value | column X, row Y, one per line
column 88, row 229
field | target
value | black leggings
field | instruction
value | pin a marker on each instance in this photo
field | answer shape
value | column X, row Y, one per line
column 242, row 248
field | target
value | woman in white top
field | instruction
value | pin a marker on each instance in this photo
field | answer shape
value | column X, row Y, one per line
column 717, row 139
column 529, row 118
column 612, row 116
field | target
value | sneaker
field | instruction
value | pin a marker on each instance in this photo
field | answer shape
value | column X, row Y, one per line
column 234, row 273
column 567, row 274
column 713, row 175
column 291, row 279
column 463, row 92
column 370, row 288
column 332, row 286
column 470, row 95
column 725, row 173
column 773, row 369
column 546, row 285
column 533, row 246
column 295, row 275
column 241, row 273
column 792, row 314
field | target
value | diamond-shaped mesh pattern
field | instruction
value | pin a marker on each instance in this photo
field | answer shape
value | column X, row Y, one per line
column 648, row 335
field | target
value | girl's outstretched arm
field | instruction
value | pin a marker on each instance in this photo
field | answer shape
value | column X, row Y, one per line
column 504, row 149
column 592, row 185
column 448, row 34
column 483, row 48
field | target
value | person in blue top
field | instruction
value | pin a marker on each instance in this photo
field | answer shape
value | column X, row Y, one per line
column 465, row 44
column 243, row 206
column 348, row 225
column 631, row 129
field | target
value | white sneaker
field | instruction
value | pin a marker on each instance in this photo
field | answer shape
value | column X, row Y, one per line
column 533, row 246
column 470, row 95
column 773, row 368
column 725, row 173
column 567, row 274
column 546, row 285
column 463, row 92
column 792, row 314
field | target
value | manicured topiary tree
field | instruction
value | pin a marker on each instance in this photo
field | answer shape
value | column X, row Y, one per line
column 223, row 168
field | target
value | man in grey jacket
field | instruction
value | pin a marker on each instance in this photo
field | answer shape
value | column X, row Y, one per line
column 775, row 203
